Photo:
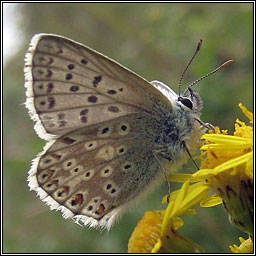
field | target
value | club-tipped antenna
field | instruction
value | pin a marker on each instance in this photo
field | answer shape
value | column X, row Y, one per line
column 225, row 64
column 196, row 51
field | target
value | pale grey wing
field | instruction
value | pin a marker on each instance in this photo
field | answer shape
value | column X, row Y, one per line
column 92, row 174
column 70, row 86
column 166, row 91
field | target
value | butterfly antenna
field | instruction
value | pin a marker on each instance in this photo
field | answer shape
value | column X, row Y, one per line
column 196, row 51
column 225, row 64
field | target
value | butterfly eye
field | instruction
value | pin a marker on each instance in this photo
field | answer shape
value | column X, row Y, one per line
column 187, row 102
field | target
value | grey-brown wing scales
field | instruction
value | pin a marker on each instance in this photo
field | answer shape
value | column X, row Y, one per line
column 70, row 86
column 93, row 170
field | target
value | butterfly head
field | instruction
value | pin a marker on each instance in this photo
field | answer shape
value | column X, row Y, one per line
column 191, row 100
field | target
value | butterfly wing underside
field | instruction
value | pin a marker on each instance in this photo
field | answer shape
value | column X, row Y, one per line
column 98, row 120
column 59, row 71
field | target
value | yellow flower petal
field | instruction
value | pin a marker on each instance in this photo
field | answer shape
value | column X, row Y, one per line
column 193, row 198
column 225, row 139
column 157, row 246
column 249, row 166
column 189, row 212
column 232, row 163
column 179, row 177
column 182, row 194
column 246, row 112
column 203, row 173
column 177, row 222
column 210, row 201
column 167, row 216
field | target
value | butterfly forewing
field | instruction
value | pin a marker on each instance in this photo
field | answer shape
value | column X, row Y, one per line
column 70, row 86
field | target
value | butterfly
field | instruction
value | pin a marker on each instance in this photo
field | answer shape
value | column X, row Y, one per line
column 109, row 132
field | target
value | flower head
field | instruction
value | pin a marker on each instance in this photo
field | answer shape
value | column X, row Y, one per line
column 157, row 231
column 230, row 159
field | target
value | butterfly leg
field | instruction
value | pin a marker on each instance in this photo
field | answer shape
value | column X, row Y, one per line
column 185, row 146
column 208, row 126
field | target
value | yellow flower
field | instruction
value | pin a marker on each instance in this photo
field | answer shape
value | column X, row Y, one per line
column 227, row 168
column 146, row 233
column 246, row 246
column 157, row 231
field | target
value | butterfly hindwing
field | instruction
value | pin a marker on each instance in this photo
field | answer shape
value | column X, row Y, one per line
column 84, row 173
